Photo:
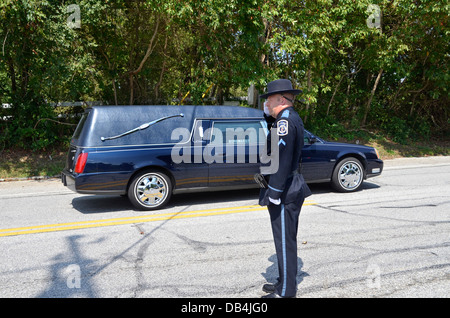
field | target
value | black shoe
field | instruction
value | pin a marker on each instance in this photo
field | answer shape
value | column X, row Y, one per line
column 275, row 295
column 270, row 288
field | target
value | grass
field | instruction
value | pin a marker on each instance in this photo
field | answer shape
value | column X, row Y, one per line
column 19, row 163
column 389, row 149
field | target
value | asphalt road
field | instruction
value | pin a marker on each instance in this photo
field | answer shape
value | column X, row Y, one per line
column 391, row 239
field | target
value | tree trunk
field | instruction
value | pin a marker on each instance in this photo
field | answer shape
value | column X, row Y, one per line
column 115, row 91
column 308, row 76
column 131, row 102
column 374, row 88
column 267, row 34
column 12, row 75
column 144, row 59
column 334, row 93
column 163, row 69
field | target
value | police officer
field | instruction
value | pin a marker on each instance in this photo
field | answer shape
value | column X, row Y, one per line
column 286, row 189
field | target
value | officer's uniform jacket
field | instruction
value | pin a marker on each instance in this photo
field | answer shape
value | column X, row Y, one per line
column 286, row 183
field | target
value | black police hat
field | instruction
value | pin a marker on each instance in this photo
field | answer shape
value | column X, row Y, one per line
column 280, row 86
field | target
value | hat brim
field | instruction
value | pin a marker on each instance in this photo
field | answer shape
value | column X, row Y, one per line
column 291, row 91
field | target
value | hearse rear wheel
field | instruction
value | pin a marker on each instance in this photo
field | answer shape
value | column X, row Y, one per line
column 150, row 190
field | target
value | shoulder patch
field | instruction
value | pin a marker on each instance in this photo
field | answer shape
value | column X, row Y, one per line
column 285, row 113
column 282, row 127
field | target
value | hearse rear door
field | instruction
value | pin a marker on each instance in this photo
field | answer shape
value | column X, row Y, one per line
column 192, row 172
column 232, row 152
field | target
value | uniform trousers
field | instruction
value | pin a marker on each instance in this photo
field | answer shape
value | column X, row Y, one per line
column 284, row 221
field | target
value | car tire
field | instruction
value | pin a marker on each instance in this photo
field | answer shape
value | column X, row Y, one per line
column 348, row 175
column 150, row 190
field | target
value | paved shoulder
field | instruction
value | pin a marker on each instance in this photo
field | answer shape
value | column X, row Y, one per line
column 415, row 161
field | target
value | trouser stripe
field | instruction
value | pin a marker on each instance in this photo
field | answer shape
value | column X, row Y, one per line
column 283, row 244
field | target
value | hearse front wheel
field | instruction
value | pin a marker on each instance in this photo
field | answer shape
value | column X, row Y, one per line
column 150, row 190
column 348, row 175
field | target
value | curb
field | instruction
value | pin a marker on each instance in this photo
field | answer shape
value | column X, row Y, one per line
column 409, row 162
column 35, row 178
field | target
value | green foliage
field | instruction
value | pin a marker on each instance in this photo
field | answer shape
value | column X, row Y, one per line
column 355, row 74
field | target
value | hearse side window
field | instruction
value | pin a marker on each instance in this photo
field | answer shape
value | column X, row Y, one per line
column 200, row 129
column 80, row 126
column 239, row 132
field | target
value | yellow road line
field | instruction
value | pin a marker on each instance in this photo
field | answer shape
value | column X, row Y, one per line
column 130, row 220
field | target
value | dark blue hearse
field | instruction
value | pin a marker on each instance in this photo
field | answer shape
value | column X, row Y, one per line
column 150, row 152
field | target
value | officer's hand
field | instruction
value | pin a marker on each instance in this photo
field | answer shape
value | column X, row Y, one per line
column 275, row 201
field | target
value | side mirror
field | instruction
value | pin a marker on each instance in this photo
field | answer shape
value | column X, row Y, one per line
column 312, row 140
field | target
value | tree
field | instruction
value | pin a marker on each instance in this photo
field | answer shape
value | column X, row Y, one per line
column 357, row 69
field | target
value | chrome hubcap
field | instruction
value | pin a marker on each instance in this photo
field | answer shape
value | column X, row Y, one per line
column 350, row 175
column 151, row 190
